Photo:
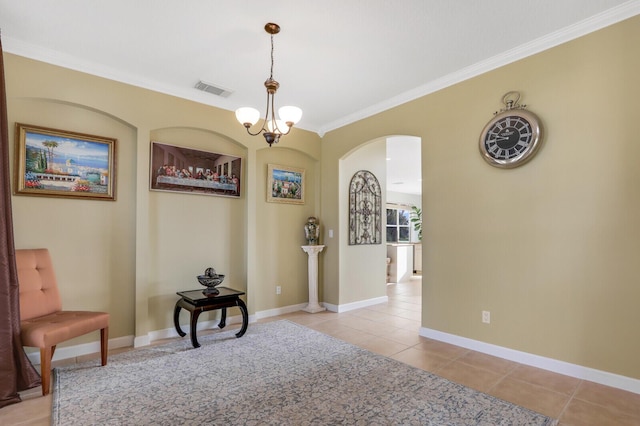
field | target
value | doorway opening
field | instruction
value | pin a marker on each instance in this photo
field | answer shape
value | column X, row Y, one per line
column 403, row 209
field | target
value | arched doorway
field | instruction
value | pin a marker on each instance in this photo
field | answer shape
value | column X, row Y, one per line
column 363, row 268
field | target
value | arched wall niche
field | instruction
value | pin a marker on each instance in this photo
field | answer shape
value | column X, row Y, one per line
column 86, row 238
column 283, row 265
column 194, row 230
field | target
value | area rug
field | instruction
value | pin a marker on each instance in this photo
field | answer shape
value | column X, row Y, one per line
column 278, row 373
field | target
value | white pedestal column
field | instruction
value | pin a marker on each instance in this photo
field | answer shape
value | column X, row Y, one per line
column 313, row 305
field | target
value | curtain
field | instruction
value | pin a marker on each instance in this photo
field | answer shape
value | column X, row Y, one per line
column 16, row 371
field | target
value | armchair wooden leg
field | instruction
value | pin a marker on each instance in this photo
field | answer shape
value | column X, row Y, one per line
column 45, row 369
column 104, row 344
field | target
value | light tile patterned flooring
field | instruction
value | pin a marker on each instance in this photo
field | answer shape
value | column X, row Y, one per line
column 391, row 329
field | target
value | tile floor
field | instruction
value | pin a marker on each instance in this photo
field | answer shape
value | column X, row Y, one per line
column 391, row 329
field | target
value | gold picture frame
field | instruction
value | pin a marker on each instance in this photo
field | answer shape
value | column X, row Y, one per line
column 285, row 184
column 59, row 163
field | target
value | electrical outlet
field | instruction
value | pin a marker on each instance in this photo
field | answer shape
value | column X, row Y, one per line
column 486, row 317
column 278, row 289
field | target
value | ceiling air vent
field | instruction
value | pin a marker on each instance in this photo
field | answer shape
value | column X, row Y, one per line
column 210, row 88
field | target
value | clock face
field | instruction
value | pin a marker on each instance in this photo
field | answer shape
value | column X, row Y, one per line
column 510, row 138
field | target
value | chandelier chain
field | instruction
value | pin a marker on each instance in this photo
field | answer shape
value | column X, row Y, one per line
column 271, row 75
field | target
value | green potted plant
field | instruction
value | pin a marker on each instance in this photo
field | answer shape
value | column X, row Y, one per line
column 416, row 219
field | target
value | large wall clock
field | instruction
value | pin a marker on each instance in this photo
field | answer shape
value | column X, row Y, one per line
column 513, row 136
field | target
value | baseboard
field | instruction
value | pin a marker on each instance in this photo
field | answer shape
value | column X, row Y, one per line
column 279, row 311
column 67, row 352
column 561, row 367
column 355, row 305
column 141, row 341
column 171, row 332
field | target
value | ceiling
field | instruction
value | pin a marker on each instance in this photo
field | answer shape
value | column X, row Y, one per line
column 338, row 60
column 404, row 170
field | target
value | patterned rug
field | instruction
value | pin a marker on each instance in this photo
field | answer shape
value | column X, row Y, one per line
column 278, row 373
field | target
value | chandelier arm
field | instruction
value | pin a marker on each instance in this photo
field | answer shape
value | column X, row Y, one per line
column 264, row 129
column 276, row 128
column 280, row 132
column 265, row 125
column 273, row 111
column 274, row 123
column 256, row 133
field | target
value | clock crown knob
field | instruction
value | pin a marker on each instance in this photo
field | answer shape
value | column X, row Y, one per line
column 510, row 101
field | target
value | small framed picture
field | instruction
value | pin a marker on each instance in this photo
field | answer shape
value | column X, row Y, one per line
column 60, row 163
column 285, row 184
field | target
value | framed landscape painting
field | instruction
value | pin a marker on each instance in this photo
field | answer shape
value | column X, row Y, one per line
column 59, row 163
column 285, row 184
column 179, row 169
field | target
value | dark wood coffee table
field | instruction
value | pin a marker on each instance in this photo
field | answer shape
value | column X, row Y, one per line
column 198, row 301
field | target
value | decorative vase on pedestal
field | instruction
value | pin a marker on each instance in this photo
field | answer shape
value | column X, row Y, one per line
column 312, row 231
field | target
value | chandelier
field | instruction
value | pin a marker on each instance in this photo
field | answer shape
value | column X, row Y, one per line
column 272, row 128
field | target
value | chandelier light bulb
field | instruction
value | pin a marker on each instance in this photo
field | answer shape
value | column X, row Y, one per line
column 290, row 114
column 247, row 115
column 279, row 128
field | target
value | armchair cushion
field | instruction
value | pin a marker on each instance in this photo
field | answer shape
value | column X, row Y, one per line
column 49, row 330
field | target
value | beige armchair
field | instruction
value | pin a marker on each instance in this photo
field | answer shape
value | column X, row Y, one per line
column 43, row 323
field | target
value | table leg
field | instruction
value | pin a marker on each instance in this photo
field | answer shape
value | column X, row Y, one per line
column 176, row 319
column 194, row 320
column 223, row 318
column 245, row 317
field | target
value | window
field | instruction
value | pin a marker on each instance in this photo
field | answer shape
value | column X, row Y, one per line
column 398, row 225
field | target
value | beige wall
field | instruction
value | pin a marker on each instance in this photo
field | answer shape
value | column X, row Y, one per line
column 281, row 234
column 129, row 257
column 551, row 249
